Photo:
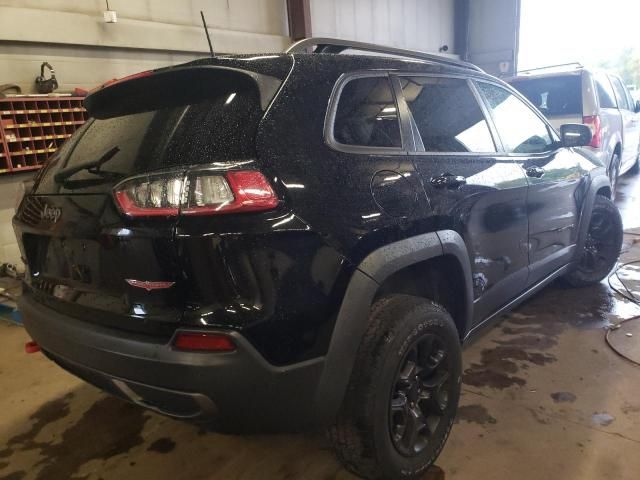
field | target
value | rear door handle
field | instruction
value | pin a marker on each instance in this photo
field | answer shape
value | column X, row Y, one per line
column 535, row 172
column 448, row 180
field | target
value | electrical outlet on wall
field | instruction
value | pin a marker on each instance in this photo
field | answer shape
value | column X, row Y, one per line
column 110, row 16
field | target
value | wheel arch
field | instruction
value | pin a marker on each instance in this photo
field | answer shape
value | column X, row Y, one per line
column 599, row 185
column 618, row 149
column 445, row 247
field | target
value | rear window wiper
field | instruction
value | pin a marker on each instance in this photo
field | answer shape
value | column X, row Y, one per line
column 91, row 167
column 70, row 184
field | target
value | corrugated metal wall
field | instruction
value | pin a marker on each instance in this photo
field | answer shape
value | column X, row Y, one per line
column 424, row 25
column 85, row 51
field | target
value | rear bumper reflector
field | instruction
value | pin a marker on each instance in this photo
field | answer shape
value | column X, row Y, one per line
column 203, row 342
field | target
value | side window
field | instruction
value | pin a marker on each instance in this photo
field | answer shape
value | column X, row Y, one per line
column 520, row 129
column 630, row 100
column 606, row 96
column 366, row 114
column 621, row 94
column 447, row 115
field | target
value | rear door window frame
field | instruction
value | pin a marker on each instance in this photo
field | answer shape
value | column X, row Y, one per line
column 418, row 146
column 553, row 133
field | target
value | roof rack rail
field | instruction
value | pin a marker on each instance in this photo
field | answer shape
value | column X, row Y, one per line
column 576, row 64
column 334, row 45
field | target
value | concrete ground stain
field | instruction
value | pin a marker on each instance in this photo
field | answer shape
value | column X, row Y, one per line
column 117, row 431
column 108, row 428
column 162, row 445
column 475, row 414
column 563, row 397
column 539, row 417
column 49, row 412
column 602, row 419
column 559, row 306
column 498, row 366
column 14, row 475
column 530, row 341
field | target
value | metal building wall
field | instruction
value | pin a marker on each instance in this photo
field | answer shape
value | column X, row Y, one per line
column 85, row 51
column 425, row 25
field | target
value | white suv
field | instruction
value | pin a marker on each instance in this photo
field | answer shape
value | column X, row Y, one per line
column 574, row 94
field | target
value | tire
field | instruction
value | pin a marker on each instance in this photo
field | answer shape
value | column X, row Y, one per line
column 602, row 246
column 614, row 174
column 408, row 338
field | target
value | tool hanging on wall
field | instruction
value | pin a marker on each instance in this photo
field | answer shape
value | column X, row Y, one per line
column 46, row 85
column 7, row 87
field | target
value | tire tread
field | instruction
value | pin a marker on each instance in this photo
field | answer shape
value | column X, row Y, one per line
column 350, row 434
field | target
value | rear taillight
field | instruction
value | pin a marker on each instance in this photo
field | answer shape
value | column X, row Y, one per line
column 195, row 193
column 593, row 122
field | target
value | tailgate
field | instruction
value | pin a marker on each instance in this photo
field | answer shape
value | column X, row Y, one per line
column 89, row 260
column 82, row 258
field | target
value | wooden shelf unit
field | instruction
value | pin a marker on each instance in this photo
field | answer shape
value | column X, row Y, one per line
column 33, row 128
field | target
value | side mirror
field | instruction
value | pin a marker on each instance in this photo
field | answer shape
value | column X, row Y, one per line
column 637, row 109
column 575, row 135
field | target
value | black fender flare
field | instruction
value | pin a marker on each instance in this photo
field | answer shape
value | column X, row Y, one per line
column 353, row 317
column 597, row 182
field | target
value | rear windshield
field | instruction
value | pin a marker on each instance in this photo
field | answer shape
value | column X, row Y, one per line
column 554, row 96
column 157, row 130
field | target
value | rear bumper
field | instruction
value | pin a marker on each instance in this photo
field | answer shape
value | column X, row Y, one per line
column 235, row 392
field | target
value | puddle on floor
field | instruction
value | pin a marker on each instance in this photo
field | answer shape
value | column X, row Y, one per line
column 61, row 456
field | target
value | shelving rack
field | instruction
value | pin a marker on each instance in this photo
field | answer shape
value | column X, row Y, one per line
column 32, row 128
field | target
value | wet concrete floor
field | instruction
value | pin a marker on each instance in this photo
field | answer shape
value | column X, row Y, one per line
column 543, row 397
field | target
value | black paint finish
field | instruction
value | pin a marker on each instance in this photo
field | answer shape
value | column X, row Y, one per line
column 279, row 278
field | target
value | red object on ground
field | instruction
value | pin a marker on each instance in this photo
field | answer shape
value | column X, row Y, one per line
column 31, row 347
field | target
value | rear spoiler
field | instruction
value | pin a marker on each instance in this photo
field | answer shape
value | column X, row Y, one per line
column 172, row 86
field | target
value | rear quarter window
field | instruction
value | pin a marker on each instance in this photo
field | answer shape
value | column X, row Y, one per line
column 366, row 114
column 621, row 93
column 606, row 96
column 553, row 96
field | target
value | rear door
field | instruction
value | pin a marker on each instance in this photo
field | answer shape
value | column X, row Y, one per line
column 87, row 259
column 630, row 124
column 471, row 188
column 555, row 175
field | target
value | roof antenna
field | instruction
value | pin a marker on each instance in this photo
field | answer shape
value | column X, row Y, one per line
column 206, row 30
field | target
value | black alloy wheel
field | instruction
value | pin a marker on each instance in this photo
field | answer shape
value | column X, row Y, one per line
column 602, row 245
column 420, row 395
column 404, row 391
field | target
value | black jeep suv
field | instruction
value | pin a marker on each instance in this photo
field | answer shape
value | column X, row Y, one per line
column 303, row 240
